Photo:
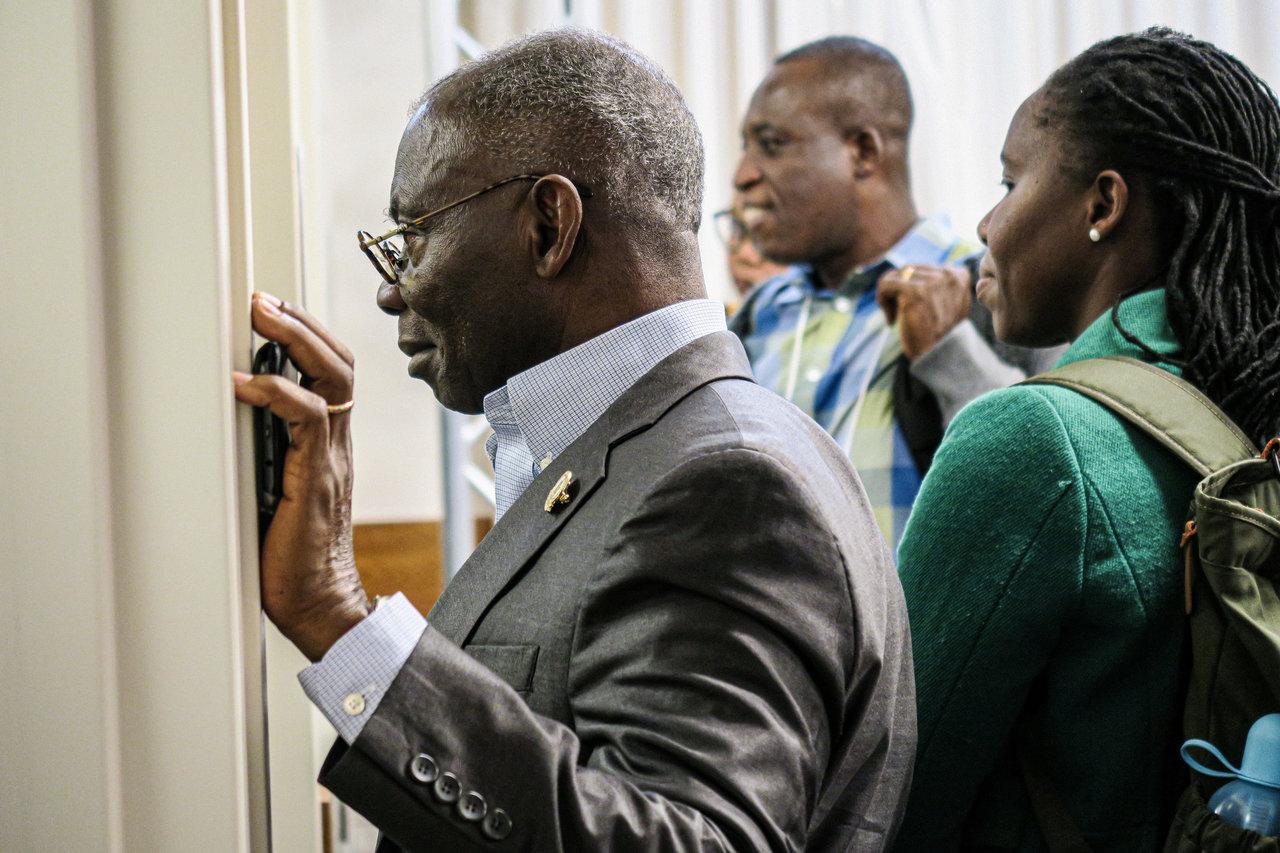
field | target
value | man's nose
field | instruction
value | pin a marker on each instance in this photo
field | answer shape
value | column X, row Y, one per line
column 390, row 299
column 746, row 175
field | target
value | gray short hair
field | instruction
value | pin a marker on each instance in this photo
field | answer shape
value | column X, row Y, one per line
column 590, row 107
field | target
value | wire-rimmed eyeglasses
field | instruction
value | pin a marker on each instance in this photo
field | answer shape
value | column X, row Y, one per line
column 389, row 259
column 729, row 228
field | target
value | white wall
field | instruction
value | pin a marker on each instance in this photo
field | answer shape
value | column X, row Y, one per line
column 363, row 65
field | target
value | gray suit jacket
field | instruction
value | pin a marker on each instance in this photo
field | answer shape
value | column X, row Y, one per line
column 706, row 648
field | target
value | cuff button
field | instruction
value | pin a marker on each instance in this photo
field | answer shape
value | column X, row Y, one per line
column 497, row 825
column 447, row 787
column 353, row 704
column 472, row 807
column 424, row 768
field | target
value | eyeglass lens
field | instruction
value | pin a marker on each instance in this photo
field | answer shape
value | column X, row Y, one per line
column 387, row 256
column 729, row 228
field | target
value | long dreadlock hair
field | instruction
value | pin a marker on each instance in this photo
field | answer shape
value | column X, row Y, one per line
column 1203, row 132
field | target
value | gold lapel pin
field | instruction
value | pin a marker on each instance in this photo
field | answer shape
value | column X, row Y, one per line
column 561, row 493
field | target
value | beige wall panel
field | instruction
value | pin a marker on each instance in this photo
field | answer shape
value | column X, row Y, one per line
column 189, row 693
column 274, row 221
column 56, row 653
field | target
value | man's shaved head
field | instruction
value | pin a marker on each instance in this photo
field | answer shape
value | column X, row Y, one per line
column 824, row 175
column 865, row 83
column 583, row 105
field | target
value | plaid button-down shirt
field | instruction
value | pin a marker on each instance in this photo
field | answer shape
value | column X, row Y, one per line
column 832, row 353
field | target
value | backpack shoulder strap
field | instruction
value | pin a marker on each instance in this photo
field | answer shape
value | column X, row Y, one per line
column 1176, row 414
column 1169, row 409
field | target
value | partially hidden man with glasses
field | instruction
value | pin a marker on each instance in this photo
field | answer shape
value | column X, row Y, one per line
column 684, row 632
column 747, row 267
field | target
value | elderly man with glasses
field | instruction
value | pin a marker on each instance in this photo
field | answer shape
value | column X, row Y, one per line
column 684, row 632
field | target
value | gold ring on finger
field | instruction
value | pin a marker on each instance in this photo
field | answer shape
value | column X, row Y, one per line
column 907, row 272
column 342, row 408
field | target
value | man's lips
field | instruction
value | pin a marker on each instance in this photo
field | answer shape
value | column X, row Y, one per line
column 413, row 347
column 985, row 283
column 419, row 361
column 420, row 354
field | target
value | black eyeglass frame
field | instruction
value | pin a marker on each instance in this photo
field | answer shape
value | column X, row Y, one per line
column 395, row 261
column 729, row 228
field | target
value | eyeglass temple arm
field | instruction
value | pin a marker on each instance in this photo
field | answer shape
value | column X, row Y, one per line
column 583, row 191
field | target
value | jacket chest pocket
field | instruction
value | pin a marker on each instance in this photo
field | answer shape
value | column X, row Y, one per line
column 512, row 663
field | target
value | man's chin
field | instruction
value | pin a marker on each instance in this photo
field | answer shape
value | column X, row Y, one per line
column 780, row 252
column 1007, row 332
column 454, row 400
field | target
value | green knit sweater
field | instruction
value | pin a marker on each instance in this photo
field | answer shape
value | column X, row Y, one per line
column 1044, row 588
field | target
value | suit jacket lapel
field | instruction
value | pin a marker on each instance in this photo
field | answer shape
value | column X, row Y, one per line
column 527, row 527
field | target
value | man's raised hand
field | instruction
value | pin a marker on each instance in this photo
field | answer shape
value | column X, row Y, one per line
column 926, row 301
column 310, row 587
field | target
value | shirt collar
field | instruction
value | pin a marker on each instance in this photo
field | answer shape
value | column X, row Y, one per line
column 930, row 241
column 554, row 402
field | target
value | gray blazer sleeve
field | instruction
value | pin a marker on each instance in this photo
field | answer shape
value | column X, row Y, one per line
column 702, row 705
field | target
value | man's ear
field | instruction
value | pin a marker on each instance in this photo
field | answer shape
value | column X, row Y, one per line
column 555, row 217
column 1108, row 201
column 866, row 150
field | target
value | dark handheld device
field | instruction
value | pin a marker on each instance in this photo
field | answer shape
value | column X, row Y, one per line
column 270, row 439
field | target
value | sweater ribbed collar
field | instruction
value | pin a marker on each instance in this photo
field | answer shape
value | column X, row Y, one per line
column 1145, row 317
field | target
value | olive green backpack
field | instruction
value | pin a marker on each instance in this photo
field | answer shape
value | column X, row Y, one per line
column 1231, row 576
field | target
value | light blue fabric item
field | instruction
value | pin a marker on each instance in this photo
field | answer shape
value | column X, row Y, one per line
column 1261, row 762
column 831, row 352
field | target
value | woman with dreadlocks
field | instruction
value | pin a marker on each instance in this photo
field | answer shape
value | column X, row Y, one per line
column 1140, row 219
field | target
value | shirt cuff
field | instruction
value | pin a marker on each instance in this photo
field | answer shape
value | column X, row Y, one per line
column 960, row 368
column 350, row 680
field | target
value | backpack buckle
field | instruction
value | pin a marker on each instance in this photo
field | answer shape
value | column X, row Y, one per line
column 1271, row 452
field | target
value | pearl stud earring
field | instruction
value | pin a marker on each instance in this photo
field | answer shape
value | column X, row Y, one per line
column 1095, row 235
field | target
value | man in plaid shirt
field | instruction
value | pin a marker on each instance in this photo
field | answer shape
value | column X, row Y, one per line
column 874, row 333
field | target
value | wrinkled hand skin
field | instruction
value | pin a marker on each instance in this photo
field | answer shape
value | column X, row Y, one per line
column 310, row 587
column 927, row 304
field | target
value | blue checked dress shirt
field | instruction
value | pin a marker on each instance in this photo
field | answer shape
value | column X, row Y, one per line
column 831, row 352
column 535, row 416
